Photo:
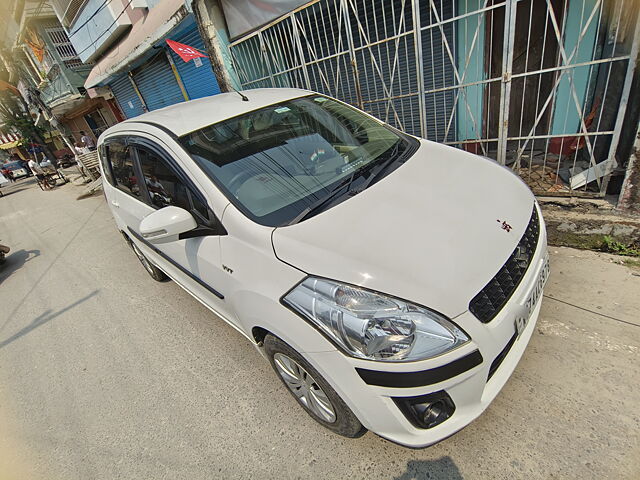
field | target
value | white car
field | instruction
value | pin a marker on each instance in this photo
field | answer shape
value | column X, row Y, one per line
column 18, row 169
column 392, row 282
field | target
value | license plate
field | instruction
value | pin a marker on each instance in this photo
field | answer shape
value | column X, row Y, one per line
column 532, row 301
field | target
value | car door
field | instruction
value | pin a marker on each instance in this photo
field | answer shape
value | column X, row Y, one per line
column 196, row 257
column 123, row 192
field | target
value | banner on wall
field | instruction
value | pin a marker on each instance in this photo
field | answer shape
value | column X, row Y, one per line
column 243, row 16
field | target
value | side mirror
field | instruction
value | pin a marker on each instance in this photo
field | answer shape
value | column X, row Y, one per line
column 166, row 225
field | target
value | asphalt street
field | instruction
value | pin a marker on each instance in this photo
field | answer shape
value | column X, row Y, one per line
column 106, row 374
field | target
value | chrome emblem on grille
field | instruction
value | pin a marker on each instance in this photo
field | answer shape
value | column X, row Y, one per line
column 504, row 225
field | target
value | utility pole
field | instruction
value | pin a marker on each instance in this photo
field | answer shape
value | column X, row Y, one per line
column 202, row 9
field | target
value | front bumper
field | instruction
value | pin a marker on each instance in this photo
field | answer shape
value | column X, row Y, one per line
column 471, row 390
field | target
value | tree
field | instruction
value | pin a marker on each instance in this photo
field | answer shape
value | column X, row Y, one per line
column 14, row 113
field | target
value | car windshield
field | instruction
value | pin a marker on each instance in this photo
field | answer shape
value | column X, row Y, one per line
column 277, row 162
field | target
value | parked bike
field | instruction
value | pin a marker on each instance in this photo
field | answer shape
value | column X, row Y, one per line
column 3, row 251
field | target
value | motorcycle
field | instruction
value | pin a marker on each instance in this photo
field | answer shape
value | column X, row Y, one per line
column 3, row 251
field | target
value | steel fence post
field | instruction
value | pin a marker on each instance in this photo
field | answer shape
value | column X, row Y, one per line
column 417, row 41
column 505, row 90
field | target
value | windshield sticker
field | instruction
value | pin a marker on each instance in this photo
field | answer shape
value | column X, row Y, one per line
column 353, row 165
column 282, row 109
column 320, row 99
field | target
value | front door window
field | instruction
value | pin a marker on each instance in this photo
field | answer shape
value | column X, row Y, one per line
column 163, row 185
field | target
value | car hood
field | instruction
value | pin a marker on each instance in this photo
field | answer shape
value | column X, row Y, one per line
column 430, row 232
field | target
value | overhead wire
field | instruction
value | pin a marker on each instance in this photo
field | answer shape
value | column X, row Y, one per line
column 106, row 30
column 100, row 8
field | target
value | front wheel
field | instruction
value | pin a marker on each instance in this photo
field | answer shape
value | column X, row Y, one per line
column 311, row 390
column 157, row 274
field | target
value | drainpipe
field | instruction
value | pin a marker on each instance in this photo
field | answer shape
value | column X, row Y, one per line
column 208, row 33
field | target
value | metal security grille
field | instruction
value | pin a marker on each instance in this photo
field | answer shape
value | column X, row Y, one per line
column 197, row 76
column 157, row 83
column 64, row 48
column 539, row 85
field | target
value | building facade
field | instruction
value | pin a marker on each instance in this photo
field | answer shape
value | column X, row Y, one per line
column 132, row 64
column 50, row 75
column 548, row 88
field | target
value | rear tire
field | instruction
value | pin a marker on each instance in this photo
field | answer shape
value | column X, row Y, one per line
column 311, row 390
column 155, row 273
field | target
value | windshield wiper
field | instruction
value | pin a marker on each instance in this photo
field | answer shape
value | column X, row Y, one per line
column 321, row 202
column 378, row 169
column 375, row 172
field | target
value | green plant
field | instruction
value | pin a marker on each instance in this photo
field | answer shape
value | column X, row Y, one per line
column 612, row 245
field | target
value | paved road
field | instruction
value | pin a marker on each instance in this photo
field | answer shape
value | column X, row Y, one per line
column 106, row 374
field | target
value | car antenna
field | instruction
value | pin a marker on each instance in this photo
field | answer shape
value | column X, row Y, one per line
column 242, row 95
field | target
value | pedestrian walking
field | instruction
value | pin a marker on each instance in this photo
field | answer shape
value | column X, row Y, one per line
column 87, row 140
column 80, row 148
column 39, row 173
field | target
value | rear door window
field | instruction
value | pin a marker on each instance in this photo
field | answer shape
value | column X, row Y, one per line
column 122, row 164
column 106, row 167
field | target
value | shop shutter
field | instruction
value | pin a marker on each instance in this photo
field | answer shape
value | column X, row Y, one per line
column 126, row 97
column 157, row 83
column 199, row 81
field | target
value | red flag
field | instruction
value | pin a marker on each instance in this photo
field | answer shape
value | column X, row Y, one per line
column 185, row 52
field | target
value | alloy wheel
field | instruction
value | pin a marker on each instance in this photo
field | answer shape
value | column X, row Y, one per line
column 304, row 387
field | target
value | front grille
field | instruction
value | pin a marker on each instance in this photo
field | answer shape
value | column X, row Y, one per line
column 486, row 304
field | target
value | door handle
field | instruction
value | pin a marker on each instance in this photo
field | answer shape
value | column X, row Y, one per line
column 115, row 203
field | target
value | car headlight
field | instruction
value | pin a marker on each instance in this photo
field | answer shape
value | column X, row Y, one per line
column 371, row 325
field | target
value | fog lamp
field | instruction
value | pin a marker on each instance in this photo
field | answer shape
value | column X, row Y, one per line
column 426, row 411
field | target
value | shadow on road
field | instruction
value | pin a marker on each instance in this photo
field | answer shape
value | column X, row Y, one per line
column 5, row 192
column 45, row 318
column 15, row 260
column 440, row 469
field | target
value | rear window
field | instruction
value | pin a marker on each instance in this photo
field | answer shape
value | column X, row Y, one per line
column 122, row 165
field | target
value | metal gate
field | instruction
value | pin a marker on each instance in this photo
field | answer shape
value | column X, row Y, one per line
column 539, row 85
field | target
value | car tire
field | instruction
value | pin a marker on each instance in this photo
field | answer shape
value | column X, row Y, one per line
column 311, row 390
column 157, row 274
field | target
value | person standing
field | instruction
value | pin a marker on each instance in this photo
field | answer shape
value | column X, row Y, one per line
column 39, row 173
column 87, row 140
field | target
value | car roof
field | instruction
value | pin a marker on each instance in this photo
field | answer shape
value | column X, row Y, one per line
column 186, row 117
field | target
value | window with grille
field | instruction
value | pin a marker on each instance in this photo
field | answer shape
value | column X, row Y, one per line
column 60, row 41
